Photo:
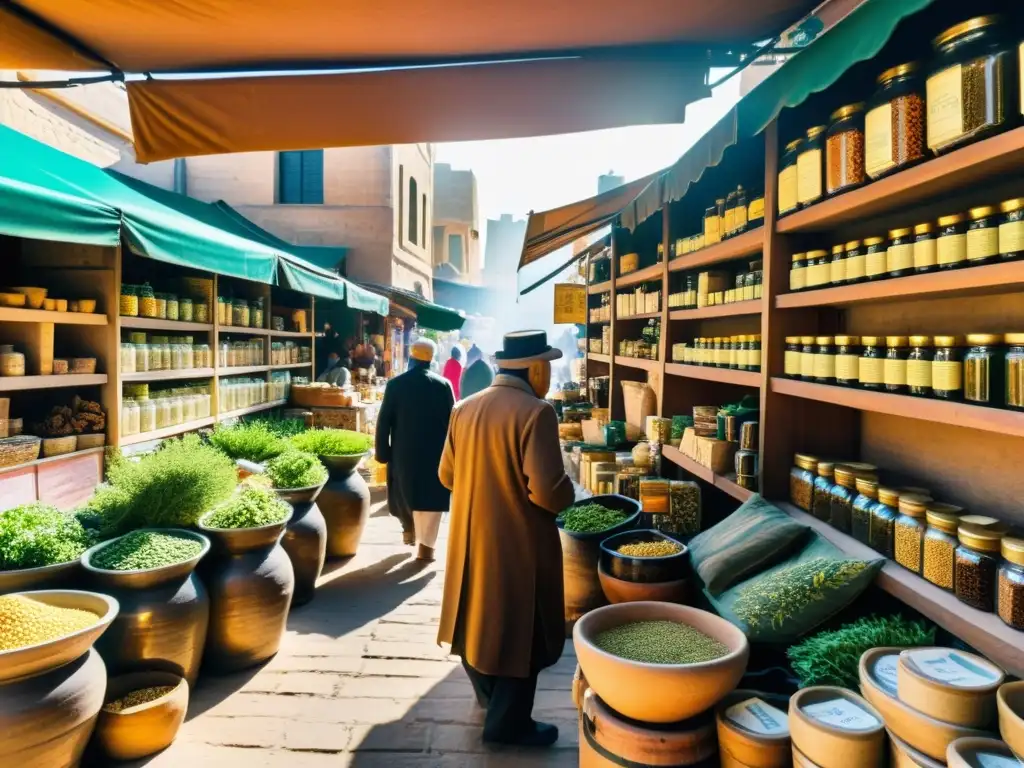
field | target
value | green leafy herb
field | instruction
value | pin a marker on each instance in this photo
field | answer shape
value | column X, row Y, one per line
column 590, row 518
column 660, row 642
column 35, row 535
column 143, row 550
column 296, row 469
column 254, row 507
column 332, row 442
column 285, row 427
column 250, row 440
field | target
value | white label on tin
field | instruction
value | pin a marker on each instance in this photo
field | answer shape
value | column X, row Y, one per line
column 842, row 713
column 758, row 716
column 989, row 760
column 885, row 672
column 952, row 668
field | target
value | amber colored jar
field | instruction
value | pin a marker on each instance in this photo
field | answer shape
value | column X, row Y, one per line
column 951, row 243
column 925, row 257
column 837, row 269
column 842, row 495
column 947, row 369
column 791, row 359
column 894, row 370
column 847, row 360
column 910, row 528
column 1010, row 589
column 1014, row 399
column 821, row 504
column 807, row 352
column 894, row 124
column 919, row 366
column 801, row 480
column 940, row 543
column 844, row 149
column 984, row 370
column 798, row 272
column 871, row 371
column 818, row 269
column 874, row 258
column 810, row 167
column 977, row 566
column 788, row 199
column 883, row 521
column 982, row 236
column 825, row 360
column 1011, row 227
column 867, row 498
column 855, row 266
column 899, row 257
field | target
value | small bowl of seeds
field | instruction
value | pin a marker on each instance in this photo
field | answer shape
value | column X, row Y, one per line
column 141, row 714
column 644, row 557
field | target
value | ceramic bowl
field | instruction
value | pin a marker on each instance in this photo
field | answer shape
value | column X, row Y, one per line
column 612, row 501
column 973, row 707
column 621, row 591
column 12, row 299
column 683, row 690
column 975, row 753
column 145, row 729
column 34, row 296
column 674, row 567
column 744, row 747
column 1010, row 702
column 87, row 305
column 905, row 756
column 828, row 745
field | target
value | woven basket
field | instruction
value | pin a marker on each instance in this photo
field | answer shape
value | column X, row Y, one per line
column 58, row 446
column 18, row 450
column 91, row 441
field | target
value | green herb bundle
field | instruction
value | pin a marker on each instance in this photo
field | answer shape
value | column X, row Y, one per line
column 254, row 507
column 36, row 535
column 144, row 550
column 284, row 427
column 250, row 440
column 332, row 442
column 590, row 518
column 296, row 469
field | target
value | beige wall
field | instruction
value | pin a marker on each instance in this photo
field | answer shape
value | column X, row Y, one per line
column 412, row 258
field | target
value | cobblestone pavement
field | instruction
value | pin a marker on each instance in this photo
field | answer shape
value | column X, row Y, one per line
column 360, row 681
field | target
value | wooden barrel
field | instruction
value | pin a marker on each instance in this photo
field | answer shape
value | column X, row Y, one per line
column 580, row 581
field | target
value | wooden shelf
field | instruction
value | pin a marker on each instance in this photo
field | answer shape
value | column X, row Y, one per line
column 598, row 358
column 251, row 409
column 160, row 434
column 701, row 472
column 23, row 315
column 942, row 175
column 747, row 244
column 653, row 272
column 250, row 331
column 969, row 281
column 638, row 362
column 735, row 309
column 709, row 373
column 154, row 324
column 290, row 334
column 53, row 459
column 241, row 370
column 642, row 316
column 289, row 365
column 182, row 373
column 984, row 631
column 604, row 287
column 996, row 420
column 24, row 383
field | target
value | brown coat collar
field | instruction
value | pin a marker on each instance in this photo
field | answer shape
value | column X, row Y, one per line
column 504, row 380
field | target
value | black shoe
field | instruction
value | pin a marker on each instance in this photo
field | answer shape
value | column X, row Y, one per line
column 535, row 735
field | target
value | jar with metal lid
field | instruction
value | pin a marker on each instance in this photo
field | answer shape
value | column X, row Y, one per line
column 240, row 313
column 818, row 268
column 969, row 85
column 909, row 531
column 894, row 370
column 867, row 498
column 847, row 360
column 711, row 225
column 1014, row 399
column 919, row 366
column 1010, row 587
column 788, row 199
column 1011, row 227
column 716, row 351
column 129, row 417
column 807, row 352
column 984, row 369
column 798, row 272
column 791, row 358
column 837, row 269
column 977, row 566
column 951, row 243
column 844, row 149
column 940, row 543
column 810, row 167
column 147, row 416
column 843, row 492
column 947, row 368
column 875, row 258
column 739, row 224
column 856, row 267
column 825, row 360
column 982, row 236
column 871, row 371
column 754, row 352
column 899, row 257
column 224, row 310
column 729, row 218
column 925, row 251
column 801, row 480
column 894, row 123
column 882, row 534
column 821, row 502
column 256, row 311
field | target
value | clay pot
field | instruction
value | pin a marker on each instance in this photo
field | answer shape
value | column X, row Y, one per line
column 684, row 690
column 305, row 540
column 964, row 753
column 144, row 729
column 826, row 745
column 251, row 583
column 973, row 707
column 345, row 504
column 674, row 567
column 1010, row 701
column 619, row 591
column 905, row 756
column 56, row 576
column 165, row 613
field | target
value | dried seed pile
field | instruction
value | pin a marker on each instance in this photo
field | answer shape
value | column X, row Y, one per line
column 659, row 548
column 909, row 544
column 591, row 518
column 845, row 157
column 938, row 561
column 1011, row 598
column 907, row 128
column 141, row 550
column 25, row 622
column 660, row 642
column 135, row 698
column 801, row 490
column 975, row 579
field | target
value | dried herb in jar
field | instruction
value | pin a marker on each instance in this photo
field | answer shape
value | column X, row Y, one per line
column 867, row 498
column 882, row 533
column 844, row 149
column 821, row 506
column 977, row 564
column 842, row 495
column 684, row 508
column 801, row 480
column 1011, row 583
column 894, row 124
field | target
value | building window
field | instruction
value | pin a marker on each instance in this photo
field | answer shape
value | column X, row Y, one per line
column 300, row 177
column 423, row 239
column 414, row 210
column 455, row 251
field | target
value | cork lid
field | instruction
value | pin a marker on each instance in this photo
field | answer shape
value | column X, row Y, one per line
column 984, row 521
column 914, row 505
column 868, row 486
column 889, row 496
column 806, row 461
column 981, row 539
column 826, row 468
column 944, row 508
column 944, row 522
column 1013, row 550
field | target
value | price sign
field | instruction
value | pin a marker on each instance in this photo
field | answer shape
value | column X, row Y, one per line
column 842, row 713
column 570, row 303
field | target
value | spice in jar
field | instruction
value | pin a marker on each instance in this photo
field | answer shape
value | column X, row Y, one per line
column 788, row 200
column 201, row 311
column 925, row 251
column 684, row 507
column 867, row 498
column 984, row 369
column 951, row 244
column 791, row 359
column 899, row 257
column 1010, row 598
column 871, row 370
column 982, row 236
column 1014, row 362
column 129, row 304
column 909, row 531
column 1011, row 228
column 801, row 480
column 825, row 360
column 844, row 149
column 947, row 369
column 919, row 366
column 894, row 123
column 821, row 502
column 894, row 370
column 798, row 272
column 940, row 543
column 842, row 495
column 173, row 311
column 147, row 301
column 837, row 269
column 847, row 360
column 882, row 533
column 977, row 566
column 856, row 269
column 807, row 352
column 809, row 167
column 875, row 258
column 818, row 268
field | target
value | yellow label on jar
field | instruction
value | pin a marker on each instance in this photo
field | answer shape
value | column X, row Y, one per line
column 944, row 92
column 711, row 232
column 730, row 220
column 847, row 367
column 899, row 257
column 855, row 267
column 895, row 373
column 787, row 189
column 919, row 373
column 878, row 140
column 740, row 218
column 817, row 274
column 951, row 249
column 982, row 243
column 808, row 176
column 870, row 370
column 754, row 360
column 755, row 211
column 837, row 271
column 742, row 357
column 1011, row 235
column 875, row 263
column 791, row 363
column 925, row 253
column 807, row 365
column 824, row 366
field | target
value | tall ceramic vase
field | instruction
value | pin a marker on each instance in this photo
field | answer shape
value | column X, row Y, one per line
column 165, row 613
column 251, row 583
column 345, row 504
column 305, row 540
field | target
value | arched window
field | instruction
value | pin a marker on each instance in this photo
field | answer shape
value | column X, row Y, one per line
column 414, row 211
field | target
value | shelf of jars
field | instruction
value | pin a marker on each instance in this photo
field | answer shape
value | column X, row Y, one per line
column 23, row 315
column 653, row 272
column 245, row 330
column 52, row 381
column 169, row 375
column 701, row 472
column 157, row 324
column 735, row 309
column 708, row 373
column 169, row 431
column 748, row 243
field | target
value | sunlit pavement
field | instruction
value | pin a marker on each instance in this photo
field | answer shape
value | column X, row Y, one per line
column 360, row 681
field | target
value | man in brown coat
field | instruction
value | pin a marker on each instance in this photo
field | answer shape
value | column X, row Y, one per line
column 503, row 609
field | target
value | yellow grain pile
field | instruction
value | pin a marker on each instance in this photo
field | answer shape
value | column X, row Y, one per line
column 24, row 622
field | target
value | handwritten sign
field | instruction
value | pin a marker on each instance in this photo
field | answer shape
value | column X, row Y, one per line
column 760, row 717
column 842, row 713
column 570, row 303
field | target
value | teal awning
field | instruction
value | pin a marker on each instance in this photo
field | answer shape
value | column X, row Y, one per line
column 428, row 314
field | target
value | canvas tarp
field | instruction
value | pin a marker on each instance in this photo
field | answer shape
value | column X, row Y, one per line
column 428, row 314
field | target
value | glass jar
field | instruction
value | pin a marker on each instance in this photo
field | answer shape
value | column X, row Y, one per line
column 173, row 311
column 894, row 123
column 147, row 301
column 729, row 219
column 788, row 200
column 982, row 236
column 818, row 269
column 754, row 352
column 856, row 268
column 947, row 369
column 256, row 312
column 738, row 356
column 739, row 224
column 925, row 255
column 844, row 149
column 951, row 244
column 186, row 309
column 894, row 370
column 875, row 258
column 847, row 360
column 129, row 303
column 1011, row 226
column 127, row 357
column 129, row 417
column 224, row 310
column 825, row 360
column 977, row 566
column 161, row 305
column 177, row 357
column 940, row 543
column 807, row 352
column 177, row 411
column 984, row 369
column 837, row 269
column 720, row 207
column 968, row 87
column 810, row 168
column 841, row 498
column 919, row 366
column 899, row 257
column 871, row 371
column 1010, row 598
column 711, row 225
column 798, row 272
column 801, row 480
column 867, row 498
column 791, row 359
column 165, row 356
column 1014, row 362
column 240, row 313
column 755, row 211
column 821, row 502
column 882, row 534
column 909, row 531
column 147, row 416
column 200, row 311
column 141, row 357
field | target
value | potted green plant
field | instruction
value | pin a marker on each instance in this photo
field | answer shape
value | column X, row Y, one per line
column 40, row 547
column 249, row 443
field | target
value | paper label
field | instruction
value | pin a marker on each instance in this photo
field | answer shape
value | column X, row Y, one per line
column 919, row 373
column 807, row 364
column 824, row 366
column 878, row 140
column 842, row 713
column 754, row 359
column 945, row 107
column 755, row 211
column 808, row 176
column 982, row 243
column 991, row 760
column 730, row 220
column 951, row 249
column 925, row 253
column 711, row 234
column 787, row 189
column 885, row 673
column 855, row 267
column 1011, row 236
column 899, row 257
column 740, row 217
column 947, row 376
column 759, row 717
column 847, row 367
column 817, row 274
column 791, row 363
column 875, row 263
column 870, row 370
column 952, row 668
column 837, row 271
column 895, row 372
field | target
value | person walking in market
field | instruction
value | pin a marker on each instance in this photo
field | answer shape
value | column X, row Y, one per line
column 502, row 610
column 453, row 369
column 411, row 429
column 477, row 375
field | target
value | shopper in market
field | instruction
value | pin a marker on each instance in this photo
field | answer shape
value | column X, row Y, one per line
column 337, row 371
column 453, row 369
column 411, row 429
column 503, row 610
column 477, row 375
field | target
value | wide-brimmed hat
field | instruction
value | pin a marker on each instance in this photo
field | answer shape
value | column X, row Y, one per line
column 520, row 348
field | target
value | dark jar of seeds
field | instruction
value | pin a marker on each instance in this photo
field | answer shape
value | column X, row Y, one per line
column 925, row 259
column 825, row 361
column 874, row 258
column 791, row 358
column 807, row 352
column 940, row 543
column 788, row 200
column 969, row 86
column 798, row 273
column 947, row 369
column 821, row 503
column 951, row 243
column 855, row 269
column 894, row 124
column 1014, row 371
column 810, row 167
column 843, row 493
column 801, row 480
column 982, row 236
column 1011, row 226
column 919, row 366
column 863, row 504
column 837, row 269
column 894, row 371
column 1010, row 598
column 899, row 257
column 984, row 369
column 872, row 363
column 882, row 534
column 844, row 149
column 977, row 566
column 909, row 531
column 847, row 360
